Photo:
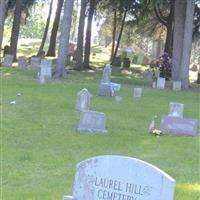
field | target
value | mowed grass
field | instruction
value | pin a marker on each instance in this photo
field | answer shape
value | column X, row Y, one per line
column 40, row 147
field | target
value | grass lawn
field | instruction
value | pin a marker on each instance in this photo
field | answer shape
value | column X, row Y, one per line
column 40, row 148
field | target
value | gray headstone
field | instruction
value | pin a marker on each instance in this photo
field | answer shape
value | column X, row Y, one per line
column 137, row 92
column 8, row 60
column 93, row 122
column 22, row 62
column 105, row 89
column 42, row 79
column 176, row 109
column 118, row 99
column 148, row 75
column 83, row 100
column 121, row 178
column 179, row 126
column 176, row 85
column 161, row 83
column 45, row 68
column 106, row 74
column 35, row 62
column 115, row 86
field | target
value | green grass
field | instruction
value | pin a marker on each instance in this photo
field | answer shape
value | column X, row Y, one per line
column 40, row 148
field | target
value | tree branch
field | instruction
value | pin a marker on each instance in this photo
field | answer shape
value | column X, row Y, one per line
column 159, row 15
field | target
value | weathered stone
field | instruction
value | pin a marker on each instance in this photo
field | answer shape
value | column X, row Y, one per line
column 179, row 126
column 92, row 121
column 22, row 62
column 148, row 75
column 106, row 74
column 176, row 85
column 35, row 62
column 176, row 109
column 161, row 83
column 105, row 89
column 118, row 99
column 8, row 60
column 137, row 92
column 45, row 68
column 83, row 100
column 119, row 177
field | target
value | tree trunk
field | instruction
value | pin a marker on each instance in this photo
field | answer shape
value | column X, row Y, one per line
column 120, row 35
column 46, row 29
column 114, row 33
column 79, row 49
column 3, row 7
column 169, row 26
column 16, row 29
column 52, row 44
column 88, row 34
column 64, row 40
column 182, row 43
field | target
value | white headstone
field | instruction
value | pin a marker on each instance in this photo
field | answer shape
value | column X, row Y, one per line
column 121, row 178
column 137, row 92
column 93, row 122
column 176, row 109
column 35, row 62
column 106, row 74
column 83, row 100
column 22, row 62
column 176, row 85
column 118, row 99
column 161, row 83
column 8, row 60
column 45, row 68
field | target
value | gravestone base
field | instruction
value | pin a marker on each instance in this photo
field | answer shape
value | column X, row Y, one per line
column 105, row 89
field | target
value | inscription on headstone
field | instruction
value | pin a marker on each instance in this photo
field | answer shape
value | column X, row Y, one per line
column 121, row 178
column 161, row 83
column 137, row 92
column 91, row 121
column 176, row 85
column 176, row 109
column 8, row 60
column 83, row 100
column 179, row 126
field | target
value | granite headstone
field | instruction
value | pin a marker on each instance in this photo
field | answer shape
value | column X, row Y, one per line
column 91, row 121
column 137, row 92
column 8, row 60
column 160, row 83
column 83, row 100
column 176, row 85
column 176, row 109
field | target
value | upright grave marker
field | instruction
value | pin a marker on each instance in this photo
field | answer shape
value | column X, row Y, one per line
column 161, row 83
column 45, row 68
column 83, row 100
column 176, row 109
column 35, row 62
column 93, row 122
column 137, row 92
column 176, row 85
column 8, row 60
column 120, row 178
column 105, row 88
column 22, row 62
